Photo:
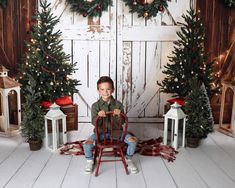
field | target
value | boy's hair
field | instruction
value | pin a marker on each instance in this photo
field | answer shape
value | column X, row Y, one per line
column 103, row 79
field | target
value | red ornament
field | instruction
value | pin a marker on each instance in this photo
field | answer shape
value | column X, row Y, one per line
column 85, row 14
column 143, row 2
column 98, row 7
column 161, row 8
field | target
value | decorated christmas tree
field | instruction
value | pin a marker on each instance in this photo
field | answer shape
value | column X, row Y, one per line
column 45, row 59
column 199, row 121
column 189, row 59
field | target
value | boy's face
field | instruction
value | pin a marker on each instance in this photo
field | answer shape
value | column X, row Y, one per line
column 105, row 91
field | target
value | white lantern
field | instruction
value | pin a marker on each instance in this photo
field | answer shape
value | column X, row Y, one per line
column 55, row 115
column 10, row 105
column 175, row 114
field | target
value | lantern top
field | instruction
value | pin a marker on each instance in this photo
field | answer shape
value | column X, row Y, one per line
column 5, row 81
column 55, row 112
column 3, row 69
column 175, row 112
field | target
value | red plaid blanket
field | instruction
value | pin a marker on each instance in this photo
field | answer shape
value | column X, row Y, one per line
column 152, row 147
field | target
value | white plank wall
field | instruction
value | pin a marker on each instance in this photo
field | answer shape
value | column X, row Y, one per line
column 212, row 165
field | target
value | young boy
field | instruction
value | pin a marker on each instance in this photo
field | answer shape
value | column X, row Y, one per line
column 107, row 103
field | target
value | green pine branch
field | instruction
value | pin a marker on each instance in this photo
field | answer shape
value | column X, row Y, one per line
column 32, row 125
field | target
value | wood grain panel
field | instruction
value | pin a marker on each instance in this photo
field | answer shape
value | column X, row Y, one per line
column 15, row 20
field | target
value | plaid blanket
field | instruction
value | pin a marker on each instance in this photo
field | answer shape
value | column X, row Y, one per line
column 152, row 147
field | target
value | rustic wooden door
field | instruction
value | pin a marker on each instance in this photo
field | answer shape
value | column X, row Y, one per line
column 131, row 50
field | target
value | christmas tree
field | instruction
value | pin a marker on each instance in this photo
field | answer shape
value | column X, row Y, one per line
column 46, row 60
column 189, row 59
column 200, row 121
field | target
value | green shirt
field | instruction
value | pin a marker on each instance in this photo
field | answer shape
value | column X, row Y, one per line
column 102, row 105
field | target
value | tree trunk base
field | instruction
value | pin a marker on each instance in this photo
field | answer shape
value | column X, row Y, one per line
column 193, row 142
column 35, row 145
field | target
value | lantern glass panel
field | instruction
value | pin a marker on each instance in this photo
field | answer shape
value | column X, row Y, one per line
column 170, row 132
column 58, row 132
column 13, row 114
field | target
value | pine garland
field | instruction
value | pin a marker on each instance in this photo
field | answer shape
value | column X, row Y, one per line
column 3, row 3
column 146, row 8
column 90, row 8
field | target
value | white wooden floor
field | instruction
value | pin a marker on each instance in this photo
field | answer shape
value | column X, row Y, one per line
column 212, row 165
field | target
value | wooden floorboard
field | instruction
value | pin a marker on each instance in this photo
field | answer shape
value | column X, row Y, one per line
column 222, row 159
column 53, row 174
column 212, row 165
column 131, row 180
column 75, row 174
column 208, row 169
column 30, row 170
column 13, row 164
column 182, row 171
column 155, row 173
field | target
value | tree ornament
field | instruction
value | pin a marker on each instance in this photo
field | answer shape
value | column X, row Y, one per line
column 146, row 8
column 161, row 8
column 90, row 8
column 98, row 7
column 146, row 14
column 143, row 2
column 134, row 2
column 84, row 14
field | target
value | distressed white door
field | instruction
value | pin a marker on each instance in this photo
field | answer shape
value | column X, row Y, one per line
column 131, row 50
column 143, row 47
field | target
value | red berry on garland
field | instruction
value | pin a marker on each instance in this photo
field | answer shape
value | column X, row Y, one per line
column 85, row 14
column 143, row 2
column 98, row 7
column 161, row 8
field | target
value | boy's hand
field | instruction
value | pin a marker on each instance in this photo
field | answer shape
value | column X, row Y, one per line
column 116, row 112
column 102, row 113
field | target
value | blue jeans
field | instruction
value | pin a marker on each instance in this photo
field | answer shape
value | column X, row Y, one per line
column 89, row 146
